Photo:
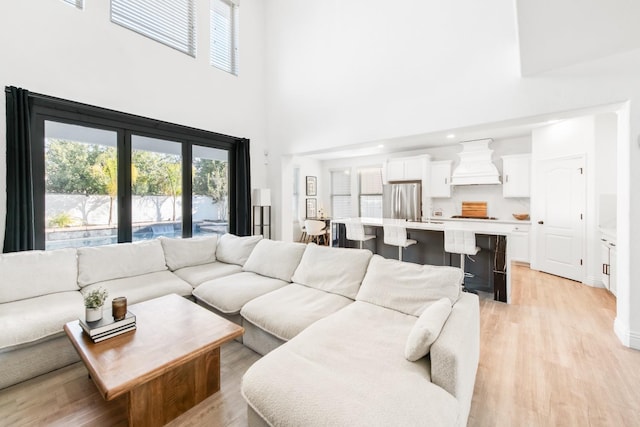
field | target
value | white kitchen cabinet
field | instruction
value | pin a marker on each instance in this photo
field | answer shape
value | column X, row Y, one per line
column 413, row 168
column 516, row 175
column 395, row 170
column 405, row 169
column 609, row 264
column 440, row 179
column 518, row 242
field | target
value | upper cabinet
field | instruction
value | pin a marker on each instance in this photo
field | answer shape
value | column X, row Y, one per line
column 516, row 175
column 405, row 169
column 440, row 179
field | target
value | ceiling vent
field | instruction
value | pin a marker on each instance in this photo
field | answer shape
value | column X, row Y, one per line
column 475, row 167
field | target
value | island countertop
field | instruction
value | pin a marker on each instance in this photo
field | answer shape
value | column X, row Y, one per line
column 430, row 247
column 479, row 226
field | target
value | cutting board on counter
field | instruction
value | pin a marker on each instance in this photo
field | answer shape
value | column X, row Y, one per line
column 474, row 209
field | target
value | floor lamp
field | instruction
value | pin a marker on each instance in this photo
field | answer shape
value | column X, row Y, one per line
column 262, row 202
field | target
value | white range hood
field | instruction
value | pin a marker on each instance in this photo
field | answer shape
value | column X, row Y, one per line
column 475, row 165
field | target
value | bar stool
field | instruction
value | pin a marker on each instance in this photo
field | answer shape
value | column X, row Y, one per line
column 316, row 230
column 460, row 241
column 396, row 235
column 355, row 231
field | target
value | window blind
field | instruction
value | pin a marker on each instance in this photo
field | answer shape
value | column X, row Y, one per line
column 77, row 3
column 370, row 196
column 171, row 22
column 340, row 194
column 370, row 180
column 224, row 35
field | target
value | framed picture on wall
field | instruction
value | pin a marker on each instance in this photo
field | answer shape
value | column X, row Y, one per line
column 312, row 208
column 312, row 186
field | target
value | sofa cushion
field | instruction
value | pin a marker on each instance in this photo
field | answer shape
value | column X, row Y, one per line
column 142, row 288
column 287, row 311
column 233, row 249
column 29, row 320
column 336, row 270
column 407, row 287
column 426, row 329
column 275, row 259
column 230, row 293
column 34, row 273
column 100, row 263
column 201, row 273
column 180, row 253
column 352, row 369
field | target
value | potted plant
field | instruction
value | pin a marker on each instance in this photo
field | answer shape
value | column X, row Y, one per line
column 93, row 302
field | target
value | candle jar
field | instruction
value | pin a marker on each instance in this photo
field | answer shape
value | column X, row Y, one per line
column 119, row 308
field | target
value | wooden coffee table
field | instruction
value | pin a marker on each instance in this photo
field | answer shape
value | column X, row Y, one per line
column 168, row 365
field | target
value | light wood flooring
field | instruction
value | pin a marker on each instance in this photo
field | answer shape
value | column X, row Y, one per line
column 551, row 358
column 548, row 359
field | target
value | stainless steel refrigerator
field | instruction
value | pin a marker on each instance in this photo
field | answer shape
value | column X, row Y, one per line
column 402, row 201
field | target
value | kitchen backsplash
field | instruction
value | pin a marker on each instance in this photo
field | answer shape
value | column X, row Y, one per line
column 497, row 206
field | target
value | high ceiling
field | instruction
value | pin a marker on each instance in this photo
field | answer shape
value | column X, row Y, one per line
column 556, row 33
column 499, row 130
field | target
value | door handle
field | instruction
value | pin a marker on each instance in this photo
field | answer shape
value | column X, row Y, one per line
column 541, row 222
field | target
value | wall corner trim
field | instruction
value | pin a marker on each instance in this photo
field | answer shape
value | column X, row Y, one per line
column 628, row 338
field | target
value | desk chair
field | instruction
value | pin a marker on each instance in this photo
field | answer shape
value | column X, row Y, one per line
column 303, row 230
column 317, row 231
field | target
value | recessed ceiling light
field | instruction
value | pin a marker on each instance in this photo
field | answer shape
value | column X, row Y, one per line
column 380, row 145
column 550, row 122
column 451, row 136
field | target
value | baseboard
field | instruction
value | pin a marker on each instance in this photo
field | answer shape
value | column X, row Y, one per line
column 521, row 263
column 627, row 338
column 593, row 281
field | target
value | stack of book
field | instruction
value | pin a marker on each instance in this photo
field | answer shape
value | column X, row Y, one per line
column 106, row 327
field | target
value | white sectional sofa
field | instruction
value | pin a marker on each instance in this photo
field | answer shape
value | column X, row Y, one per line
column 334, row 324
column 351, row 368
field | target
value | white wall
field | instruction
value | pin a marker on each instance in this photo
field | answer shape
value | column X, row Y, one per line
column 606, row 134
column 350, row 72
column 54, row 49
column 308, row 167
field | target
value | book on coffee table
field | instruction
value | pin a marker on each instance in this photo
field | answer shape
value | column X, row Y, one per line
column 107, row 324
column 114, row 333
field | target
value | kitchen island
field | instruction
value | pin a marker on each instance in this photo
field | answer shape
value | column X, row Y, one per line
column 491, row 266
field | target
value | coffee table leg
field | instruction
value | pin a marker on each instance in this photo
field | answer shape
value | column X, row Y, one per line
column 162, row 399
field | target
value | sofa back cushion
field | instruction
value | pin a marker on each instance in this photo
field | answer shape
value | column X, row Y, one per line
column 31, row 274
column 100, row 263
column 180, row 253
column 233, row 249
column 275, row 259
column 336, row 270
column 406, row 287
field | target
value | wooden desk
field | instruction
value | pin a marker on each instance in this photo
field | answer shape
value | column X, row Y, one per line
column 165, row 367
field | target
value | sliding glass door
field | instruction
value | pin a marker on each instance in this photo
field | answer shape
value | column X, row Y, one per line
column 103, row 177
column 210, row 196
column 156, row 188
column 81, row 186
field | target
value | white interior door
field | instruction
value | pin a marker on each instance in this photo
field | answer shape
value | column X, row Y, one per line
column 560, row 225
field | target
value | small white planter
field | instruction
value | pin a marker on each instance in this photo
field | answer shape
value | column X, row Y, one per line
column 93, row 314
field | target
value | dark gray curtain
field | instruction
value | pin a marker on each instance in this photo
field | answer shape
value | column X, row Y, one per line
column 240, row 190
column 19, row 232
